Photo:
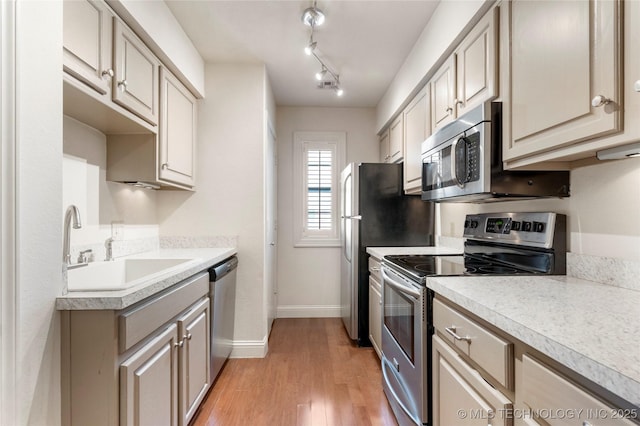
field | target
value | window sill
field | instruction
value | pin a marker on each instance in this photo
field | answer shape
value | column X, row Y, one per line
column 308, row 243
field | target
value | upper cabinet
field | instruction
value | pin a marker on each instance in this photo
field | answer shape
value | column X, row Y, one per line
column 137, row 70
column 396, row 140
column 417, row 127
column 564, row 74
column 87, row 35
column 469, row 75
column 384, row 147
column 178, row 116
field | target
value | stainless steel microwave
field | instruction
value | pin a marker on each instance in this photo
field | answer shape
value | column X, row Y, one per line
column 462, row 162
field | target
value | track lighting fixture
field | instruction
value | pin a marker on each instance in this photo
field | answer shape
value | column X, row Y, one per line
column 312, row 17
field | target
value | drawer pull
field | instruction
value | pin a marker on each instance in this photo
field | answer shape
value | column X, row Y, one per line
column 452, row 331
column 374, row 269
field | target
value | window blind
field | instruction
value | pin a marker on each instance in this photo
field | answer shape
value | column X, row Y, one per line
column 319, row 190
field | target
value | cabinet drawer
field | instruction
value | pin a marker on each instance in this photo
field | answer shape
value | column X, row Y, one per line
column 138, row 323
column 489, row 351
column 548, row 393
column 374, row 269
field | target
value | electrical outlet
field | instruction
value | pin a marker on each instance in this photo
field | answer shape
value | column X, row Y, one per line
column 117, row 230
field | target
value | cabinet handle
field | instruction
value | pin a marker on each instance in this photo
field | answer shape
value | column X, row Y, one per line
column 459, row 102
column 636, row 86
column 452, row 331
column 179, row 344
column 599, row 101
column 449, row 110
column 165, row 166
column 122, row 85
column 107, row 73
column 188, row 336
column 374, row 269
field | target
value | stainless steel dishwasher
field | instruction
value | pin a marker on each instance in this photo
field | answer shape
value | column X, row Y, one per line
column 222, row 292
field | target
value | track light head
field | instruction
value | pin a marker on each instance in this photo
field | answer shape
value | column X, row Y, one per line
column 310, row 48
column 320, row 74
column 312, row 16
column 339, row 91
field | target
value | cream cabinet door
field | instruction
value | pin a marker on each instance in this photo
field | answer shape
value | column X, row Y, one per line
column 193, row 328
column 384, row 147
column 87, row 40
column 149, row 383
column 417, row 127
column 396, row 140
column 476, row 65
column 135, row 85
column 178, row 115
column 375, row 316
column 565, row 74
column 443, row 92
column 461, row 396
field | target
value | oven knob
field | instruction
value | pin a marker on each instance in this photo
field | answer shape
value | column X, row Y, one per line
column 526, row 226
column 474, row 224
column 515, row 226
column 538, row 227
column 466, row 224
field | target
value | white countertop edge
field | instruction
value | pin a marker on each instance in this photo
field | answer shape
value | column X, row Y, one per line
column 203, row 258
column 605, row 376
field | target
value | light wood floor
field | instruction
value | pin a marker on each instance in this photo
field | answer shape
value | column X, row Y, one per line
column 313, row 375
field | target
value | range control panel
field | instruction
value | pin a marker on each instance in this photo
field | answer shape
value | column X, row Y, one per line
column 533, row 229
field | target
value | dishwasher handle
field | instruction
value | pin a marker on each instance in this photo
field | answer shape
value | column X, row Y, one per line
column 221, row 269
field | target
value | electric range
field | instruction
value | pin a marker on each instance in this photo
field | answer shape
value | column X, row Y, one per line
column 495, row 244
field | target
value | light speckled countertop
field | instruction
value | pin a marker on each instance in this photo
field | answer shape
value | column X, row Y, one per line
column 202, row 259
column 590, row 328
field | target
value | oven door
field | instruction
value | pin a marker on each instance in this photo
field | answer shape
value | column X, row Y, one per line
column 404, row 348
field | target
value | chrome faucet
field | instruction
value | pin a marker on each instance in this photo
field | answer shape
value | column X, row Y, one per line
column 71, row 213
column 108, row 245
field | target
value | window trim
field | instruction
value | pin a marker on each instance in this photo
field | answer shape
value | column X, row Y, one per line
column 316, row 140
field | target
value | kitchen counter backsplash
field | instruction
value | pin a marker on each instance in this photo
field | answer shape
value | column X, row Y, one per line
column 199, row 241
column 120, row 248
column 605, row 270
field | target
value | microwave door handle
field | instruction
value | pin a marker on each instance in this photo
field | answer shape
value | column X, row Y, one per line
column 454, row 169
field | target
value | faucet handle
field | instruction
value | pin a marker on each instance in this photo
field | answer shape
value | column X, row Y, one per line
column 84, row 256
column 108, row 245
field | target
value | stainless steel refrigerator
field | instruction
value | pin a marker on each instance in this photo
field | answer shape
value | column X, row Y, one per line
column 374, row 213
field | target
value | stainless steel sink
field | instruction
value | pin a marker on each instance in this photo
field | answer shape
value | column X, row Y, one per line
column 120, row 274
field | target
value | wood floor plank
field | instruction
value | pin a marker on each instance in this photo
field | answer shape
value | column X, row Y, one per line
column 313, row 375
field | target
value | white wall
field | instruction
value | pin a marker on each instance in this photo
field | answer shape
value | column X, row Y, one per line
column 602, row 211
column 229, row 192
column 309, row 278
column 444, row 30
column 39, row 224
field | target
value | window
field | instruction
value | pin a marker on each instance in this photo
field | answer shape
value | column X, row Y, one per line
column 318, row 161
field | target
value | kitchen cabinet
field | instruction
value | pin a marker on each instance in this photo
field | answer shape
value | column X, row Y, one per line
column 396, row 140
column 87, row 43
column 146, row 364
column 135, row 85
column 563, row 75
column 460, row 394
column 178, row 116
column 469, row 76
column 544, row 390
column 375, row 305
column 384, row 147
column 417, row 127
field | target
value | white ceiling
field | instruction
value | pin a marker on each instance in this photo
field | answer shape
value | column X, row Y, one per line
column 365, row 42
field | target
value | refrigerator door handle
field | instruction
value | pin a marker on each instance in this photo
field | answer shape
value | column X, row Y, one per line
column 358, row 217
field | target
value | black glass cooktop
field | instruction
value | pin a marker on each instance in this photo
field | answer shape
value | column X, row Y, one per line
column 418, row 267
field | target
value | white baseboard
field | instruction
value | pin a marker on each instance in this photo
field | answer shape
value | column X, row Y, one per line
column 309, row 311
column 249, row 348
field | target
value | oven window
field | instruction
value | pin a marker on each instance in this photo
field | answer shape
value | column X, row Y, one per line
column 399, row 316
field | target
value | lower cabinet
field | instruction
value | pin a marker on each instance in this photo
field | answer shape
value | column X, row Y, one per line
column 375, row 305
column 461, row 396
column 145, row 365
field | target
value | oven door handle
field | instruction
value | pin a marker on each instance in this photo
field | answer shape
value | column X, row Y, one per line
column 393, row 391
column 396, row 285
